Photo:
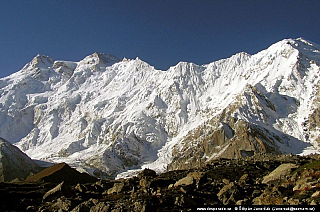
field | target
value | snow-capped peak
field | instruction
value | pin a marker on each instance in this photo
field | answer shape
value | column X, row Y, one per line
column 41, row 61
column 100, row 59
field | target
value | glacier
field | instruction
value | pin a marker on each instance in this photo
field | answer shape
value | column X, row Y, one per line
column 112, row 117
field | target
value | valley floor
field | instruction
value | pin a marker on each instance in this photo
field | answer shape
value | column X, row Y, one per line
column 263, row 179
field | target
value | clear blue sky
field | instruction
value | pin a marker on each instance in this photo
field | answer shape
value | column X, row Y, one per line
column 161, row 32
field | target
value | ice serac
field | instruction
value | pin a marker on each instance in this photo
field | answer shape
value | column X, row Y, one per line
column 114, row 117
column 14, row 164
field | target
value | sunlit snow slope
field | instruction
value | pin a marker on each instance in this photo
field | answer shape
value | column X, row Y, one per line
column 108, row 116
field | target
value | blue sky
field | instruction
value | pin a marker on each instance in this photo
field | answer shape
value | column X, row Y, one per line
column 161, row 32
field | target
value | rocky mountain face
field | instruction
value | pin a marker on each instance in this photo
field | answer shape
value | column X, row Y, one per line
column 114, row 117
column 263, row 179
column 14, row 164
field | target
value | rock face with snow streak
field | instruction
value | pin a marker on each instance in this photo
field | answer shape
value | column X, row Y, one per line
column 107, row 116
column 14, row 164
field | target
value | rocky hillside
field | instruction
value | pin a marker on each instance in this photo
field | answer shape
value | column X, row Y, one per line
column 259, row 180
column 113, row 118
column 14, row 164
column 58, row 173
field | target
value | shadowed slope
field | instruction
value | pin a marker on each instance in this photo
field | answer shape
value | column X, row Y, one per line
column 14, row 164
column 61, row 172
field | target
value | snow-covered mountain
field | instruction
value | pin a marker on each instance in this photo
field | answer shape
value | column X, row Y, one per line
column 111, row 117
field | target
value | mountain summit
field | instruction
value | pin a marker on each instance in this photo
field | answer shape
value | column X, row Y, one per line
column 111, row 117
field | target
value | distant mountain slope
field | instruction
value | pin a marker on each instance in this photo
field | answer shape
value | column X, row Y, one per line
column 109, row 116
column 14, row 164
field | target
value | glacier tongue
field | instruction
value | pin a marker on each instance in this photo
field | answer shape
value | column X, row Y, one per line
column 108, row 116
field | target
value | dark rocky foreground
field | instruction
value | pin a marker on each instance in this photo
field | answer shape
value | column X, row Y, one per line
column 259, row 180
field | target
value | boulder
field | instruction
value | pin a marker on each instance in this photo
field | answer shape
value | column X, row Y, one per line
column 80, row 188
column 60, row 190
column 270, row 196
column 305, row 184
column 117, row 188
column 147, row 173
column 280, row 173
column 161, row 183
column 244, row 201
column 229, row 194
column 85, row 206
column 63, row 204
column 192, row 178
column 256, row 193
column 186, row 201
column 294, row 201
column 186, row 181
column 243, row 179
column 100, row 207
column 225, row 181
column 316, row 194
column 140, row 206
column 144, row 183
column 198, row 177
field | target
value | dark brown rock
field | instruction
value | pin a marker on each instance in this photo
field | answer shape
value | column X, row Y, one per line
column 222, row 182
column 198, row 177
column 117, row 188
column 161, row 183
column 85, row 206
column 229, row 194
column 61, row 172
column 279, row 173
column 243, row 179
column 80, row 188
column 63, row 204
column 100, row 207
column 147, row 173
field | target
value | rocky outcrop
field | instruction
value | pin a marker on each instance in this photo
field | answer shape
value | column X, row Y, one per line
column 246, row 181
column 14, row 164
column 279, row 173
column 223, row 136
column 298, row 188
column 60, row 190
column 229, row 194
column 61, row 172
